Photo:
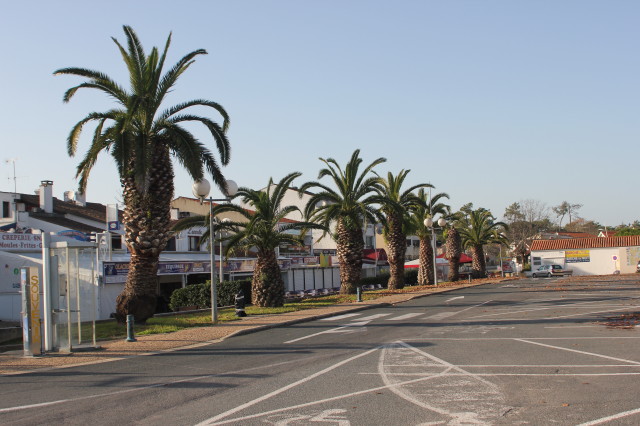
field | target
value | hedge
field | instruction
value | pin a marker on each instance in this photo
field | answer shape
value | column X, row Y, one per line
column 200, row 294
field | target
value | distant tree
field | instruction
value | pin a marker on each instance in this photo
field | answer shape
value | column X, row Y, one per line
column 566, row 209
column 477, row 229
column 526, row 219
column 396, row 203
column 261, row 230
column 349, row 205
column 583, row 225
column 625, row 231
column 428, row 207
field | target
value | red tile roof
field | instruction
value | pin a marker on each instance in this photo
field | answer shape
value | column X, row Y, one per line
column 586, row 243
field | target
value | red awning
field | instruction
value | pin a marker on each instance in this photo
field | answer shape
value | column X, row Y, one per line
column 374, row 255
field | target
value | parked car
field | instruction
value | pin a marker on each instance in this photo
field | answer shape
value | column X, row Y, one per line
column 548, row 271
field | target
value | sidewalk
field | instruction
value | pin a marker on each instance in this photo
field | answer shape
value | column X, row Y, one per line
column 15, row 363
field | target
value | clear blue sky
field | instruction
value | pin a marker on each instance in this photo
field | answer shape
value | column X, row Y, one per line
column 491, row 101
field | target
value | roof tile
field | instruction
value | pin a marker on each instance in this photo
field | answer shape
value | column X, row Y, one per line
column 586, row 243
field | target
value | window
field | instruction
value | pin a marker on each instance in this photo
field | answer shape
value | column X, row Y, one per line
column 116, row 242
column 171, row 244
column 416, row 243
column 369, row 242
column 537, row 261
column 194, row 243
column 408, row 242
column 6, row 209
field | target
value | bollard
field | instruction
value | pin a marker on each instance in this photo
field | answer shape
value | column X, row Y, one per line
column 469, row 278
column 130, row 337
column 359, row 294
column 240, row 304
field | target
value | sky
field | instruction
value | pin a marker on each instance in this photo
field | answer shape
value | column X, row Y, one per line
column 491, row 101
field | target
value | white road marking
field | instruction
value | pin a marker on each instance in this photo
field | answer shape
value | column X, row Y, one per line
column 190, row 379
column 609, row 418
column 227, row 413
column 463, row 396
column 372, row 317
column 442, row 315
column 340, row 317
column 454, row 298
column 626, row 308
column 405, row 316
column 577, row 351
column 322, row 401
column 349, row 328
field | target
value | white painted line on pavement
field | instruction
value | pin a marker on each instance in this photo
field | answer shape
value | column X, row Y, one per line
column 343, row 329
column 340, row 317
column 406, row 316
column 248, row 404
column 577, row 351
column 442, row 315
column 454, row 298
column 609, row 418
column 190, row 379
column 372, row 317
column 322, row 401
column 626, row 308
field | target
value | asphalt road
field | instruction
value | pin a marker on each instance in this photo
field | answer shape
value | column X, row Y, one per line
column 528, row 352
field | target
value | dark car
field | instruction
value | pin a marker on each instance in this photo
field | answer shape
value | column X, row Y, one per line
column 547, row 271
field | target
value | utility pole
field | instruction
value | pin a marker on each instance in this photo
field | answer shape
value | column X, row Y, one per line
column 15, row 190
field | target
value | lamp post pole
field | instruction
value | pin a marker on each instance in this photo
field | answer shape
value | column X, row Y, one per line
column 201, row 190
column 428, row 222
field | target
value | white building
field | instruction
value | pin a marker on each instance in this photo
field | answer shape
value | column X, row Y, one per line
column 588, row 256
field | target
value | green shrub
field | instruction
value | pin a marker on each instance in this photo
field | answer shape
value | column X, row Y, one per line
column 411, row 276
column 200, row 294
column 526, row 267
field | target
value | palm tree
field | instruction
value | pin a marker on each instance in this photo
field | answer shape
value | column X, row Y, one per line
column 142, row 139
column 479, row 228
column 395, row 205
column 263, row 231
column 427, row 207
column 453, row 249
column 349, row 205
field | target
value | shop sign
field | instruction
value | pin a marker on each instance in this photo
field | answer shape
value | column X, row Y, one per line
column 20, row 242
column 576, row 256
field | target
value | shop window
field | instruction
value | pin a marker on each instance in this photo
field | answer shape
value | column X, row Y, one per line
column 171, row 244
column 194, row 243
column 6, row 209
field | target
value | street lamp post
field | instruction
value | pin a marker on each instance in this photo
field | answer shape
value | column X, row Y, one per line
column 201, row 189
column 428, row 222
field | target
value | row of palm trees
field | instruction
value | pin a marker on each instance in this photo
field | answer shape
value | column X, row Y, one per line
column 355, row 195
column 144, row 140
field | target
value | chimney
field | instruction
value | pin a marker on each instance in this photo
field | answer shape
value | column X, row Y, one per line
column 81, row 199
column 68, row 196
column 46, row 196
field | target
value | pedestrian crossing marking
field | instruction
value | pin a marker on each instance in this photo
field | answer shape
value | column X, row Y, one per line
column 406, row 316
column 339, row 317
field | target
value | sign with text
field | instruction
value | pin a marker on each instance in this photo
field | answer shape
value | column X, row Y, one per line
column 575, row 256
column 20, row 242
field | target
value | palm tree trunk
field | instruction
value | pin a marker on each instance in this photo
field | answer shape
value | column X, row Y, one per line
column 397, row 245
column 479, row 266
column 349, row 246
column 147, row 222
column 454, row 250
column 426, row 270
column 267, row 286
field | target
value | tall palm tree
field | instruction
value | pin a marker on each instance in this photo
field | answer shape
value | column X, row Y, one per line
column 395, row 204
column 427, row 207
column 479, row 228
column 263, row 230
column 349, row 205
column 142, row 139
